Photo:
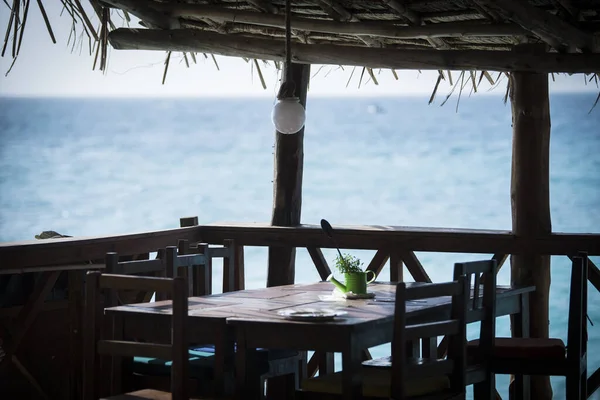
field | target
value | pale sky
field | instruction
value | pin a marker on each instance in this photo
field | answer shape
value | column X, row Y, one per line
column 47, row 69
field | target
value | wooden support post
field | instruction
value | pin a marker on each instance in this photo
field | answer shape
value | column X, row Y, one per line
column 287, row 184
column 530, row 198
column 287, row 206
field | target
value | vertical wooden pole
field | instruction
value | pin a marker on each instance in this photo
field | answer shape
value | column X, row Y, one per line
column 287, row 188
column 530, row 199
column 287, row 206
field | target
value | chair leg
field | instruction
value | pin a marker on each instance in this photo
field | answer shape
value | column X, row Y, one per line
column 302, row 372
column 574, row 387
column 281, row 387
column 485, row 390
column 583, row 385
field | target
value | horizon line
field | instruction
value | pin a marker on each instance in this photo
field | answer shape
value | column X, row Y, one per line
column 251, row 95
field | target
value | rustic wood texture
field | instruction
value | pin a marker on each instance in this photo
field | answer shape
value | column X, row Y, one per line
column 114, row 346
column 530, row 196
column 384, row 30
column 375, row 237
column 264, row 328
column 76, row 304
column 536, row 356
column 396, row 267
column 287, row 187
column 320, row 263
column 184, row 40
column 482, row 273
column 32, row 254
column 239, row 268
column 550, row 28
column 414, row 266
column 378, row 261
column 40, row 368
column 20, row 326
column 453, row 327
column 264, row 304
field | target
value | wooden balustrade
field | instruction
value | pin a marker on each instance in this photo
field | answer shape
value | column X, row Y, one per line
column 396, row 245
column 19, row 256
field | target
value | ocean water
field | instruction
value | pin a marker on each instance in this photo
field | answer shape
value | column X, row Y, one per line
column 108, row 166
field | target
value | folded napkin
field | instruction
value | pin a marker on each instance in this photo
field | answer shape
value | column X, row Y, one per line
column 336, row 295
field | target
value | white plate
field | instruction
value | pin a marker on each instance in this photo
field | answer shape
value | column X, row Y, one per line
column 311, row 314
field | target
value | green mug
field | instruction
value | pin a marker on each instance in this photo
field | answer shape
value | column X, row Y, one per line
column 356, row 282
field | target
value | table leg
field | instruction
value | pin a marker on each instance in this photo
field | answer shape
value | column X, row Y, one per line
column 248, row 382
column 224, row 355
column 521, row 325
column 351, row 371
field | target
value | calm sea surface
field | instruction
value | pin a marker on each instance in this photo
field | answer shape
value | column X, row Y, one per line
column 108, row 166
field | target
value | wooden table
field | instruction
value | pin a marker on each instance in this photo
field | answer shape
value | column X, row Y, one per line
column 253, row 314
column 368, row 323
column 207, row 321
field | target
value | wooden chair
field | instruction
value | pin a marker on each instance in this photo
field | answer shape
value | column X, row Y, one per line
column 200, row 276
column 155, row 371
column 116, row 265
column 403, row 377
column 481, row 307
column 541, row 356
column 272, row 363
column 196, row 263
column 176, row 350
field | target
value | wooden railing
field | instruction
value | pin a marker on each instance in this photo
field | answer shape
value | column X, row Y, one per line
column 394, row 244
column 24, row 255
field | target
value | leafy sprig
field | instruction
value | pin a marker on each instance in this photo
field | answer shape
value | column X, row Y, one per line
column 348, row 264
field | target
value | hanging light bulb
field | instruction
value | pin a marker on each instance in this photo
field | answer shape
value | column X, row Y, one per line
column 288, row 115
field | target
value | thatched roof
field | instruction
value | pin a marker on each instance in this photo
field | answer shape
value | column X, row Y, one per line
column 468, row 35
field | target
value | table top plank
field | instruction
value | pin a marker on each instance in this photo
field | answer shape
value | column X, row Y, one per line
column 247, row 306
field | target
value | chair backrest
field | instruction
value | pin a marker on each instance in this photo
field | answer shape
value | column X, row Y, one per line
column 156, row 267
column 577, row 329
column 454, row 328
column 482, row 306
column 177, row 350
column 201, row 276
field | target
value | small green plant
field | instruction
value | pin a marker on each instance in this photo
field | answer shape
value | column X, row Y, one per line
column 348, row 264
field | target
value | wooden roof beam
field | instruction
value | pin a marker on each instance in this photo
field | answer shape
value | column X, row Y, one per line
column 567, row 5
column 399, row 6
column 151, row 17
column 186, row 40
column 335, row 10
column 264, row 6
column 401, row 9
column 387, row 30
column 548, row 27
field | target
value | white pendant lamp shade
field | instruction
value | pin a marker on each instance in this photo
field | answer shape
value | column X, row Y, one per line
column 288, row 115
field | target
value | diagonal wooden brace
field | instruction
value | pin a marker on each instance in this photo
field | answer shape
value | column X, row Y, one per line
column 25, row 319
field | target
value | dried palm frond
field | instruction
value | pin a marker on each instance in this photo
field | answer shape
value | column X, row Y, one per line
column 94, row 26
